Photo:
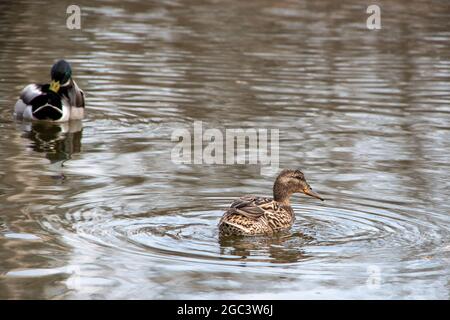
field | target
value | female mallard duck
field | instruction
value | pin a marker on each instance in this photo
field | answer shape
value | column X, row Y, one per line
column 61, row 100
column 252, row 215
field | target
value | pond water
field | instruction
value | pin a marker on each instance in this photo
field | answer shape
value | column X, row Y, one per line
column 97, row 209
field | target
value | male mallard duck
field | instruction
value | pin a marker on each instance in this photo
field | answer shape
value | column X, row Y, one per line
column 251, row 215
column 61, row 100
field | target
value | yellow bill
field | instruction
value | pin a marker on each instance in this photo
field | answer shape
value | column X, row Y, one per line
column 54, row 86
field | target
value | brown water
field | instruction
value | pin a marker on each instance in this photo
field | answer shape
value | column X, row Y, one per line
column 97, row 209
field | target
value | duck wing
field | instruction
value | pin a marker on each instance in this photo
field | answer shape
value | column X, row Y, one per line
column 251, row 206
column 28, row 94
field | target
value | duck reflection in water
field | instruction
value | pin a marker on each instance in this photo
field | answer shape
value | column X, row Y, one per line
column 282, row 248
column 57, row 140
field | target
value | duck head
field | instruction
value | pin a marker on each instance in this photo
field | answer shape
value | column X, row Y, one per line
column 291, row 181
column 61, row 73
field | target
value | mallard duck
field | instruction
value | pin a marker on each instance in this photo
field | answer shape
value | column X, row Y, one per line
column 252, row 215
column 61, row 100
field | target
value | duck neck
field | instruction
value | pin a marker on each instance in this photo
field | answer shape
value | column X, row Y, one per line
column 281, row 194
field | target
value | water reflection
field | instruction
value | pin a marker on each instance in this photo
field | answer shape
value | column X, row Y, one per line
column 58, row 141
column 282, row 248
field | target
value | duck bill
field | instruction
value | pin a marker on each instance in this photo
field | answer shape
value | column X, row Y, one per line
column 311, row 193
column 54, row 86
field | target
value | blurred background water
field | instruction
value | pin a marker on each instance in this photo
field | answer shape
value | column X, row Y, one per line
column 97, row 209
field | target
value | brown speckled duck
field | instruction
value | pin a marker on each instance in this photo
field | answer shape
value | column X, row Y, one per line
column 251, row 215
